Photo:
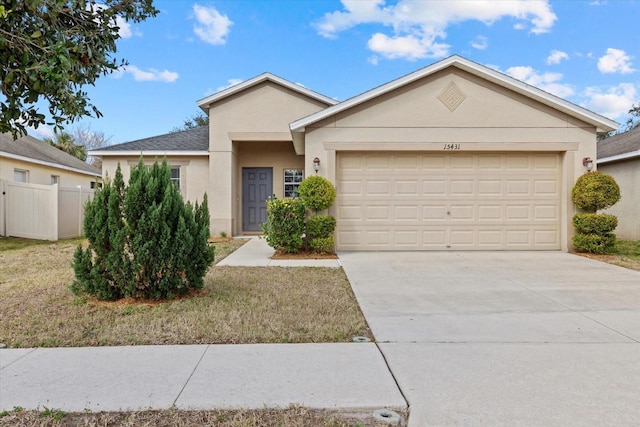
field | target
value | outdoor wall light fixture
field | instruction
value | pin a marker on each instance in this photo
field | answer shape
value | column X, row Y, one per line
column 587, row 163
column 316, row 164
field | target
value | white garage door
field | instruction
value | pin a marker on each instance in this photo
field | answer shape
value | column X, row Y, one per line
column 423, row 201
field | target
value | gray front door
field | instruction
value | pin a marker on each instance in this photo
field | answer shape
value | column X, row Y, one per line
column 257, row 186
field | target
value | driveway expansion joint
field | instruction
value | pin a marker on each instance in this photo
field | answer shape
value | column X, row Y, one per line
column 195, row 368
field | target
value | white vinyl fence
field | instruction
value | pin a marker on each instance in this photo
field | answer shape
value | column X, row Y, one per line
column 43, row 212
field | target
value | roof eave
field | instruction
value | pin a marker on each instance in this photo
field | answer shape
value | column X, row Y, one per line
column 49, row 164
column 102, row 153
column 618, row 157
column 207, row 101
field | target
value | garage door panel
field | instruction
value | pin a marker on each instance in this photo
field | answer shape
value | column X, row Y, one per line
column 448, row 201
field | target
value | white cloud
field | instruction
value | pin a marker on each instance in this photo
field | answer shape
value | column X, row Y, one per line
column 417, row 29
column 615, row 61
column 230, row 82
column 480, row 43
column 556, row 56
column 549, row 82
column 212, row 27
column 613, row 102
column 125, row 28
column 41, row 133
column 152, row 75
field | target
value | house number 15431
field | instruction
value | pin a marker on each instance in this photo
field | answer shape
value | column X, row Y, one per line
column 451, row 147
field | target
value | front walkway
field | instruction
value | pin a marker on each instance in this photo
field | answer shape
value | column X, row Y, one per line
column 343, row 376
column 256, row 253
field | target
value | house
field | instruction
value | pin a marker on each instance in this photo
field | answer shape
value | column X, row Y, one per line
column 31, row 161
column 453, row 156
column 619, row 156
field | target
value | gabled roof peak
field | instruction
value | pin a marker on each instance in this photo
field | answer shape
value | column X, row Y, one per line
column 260, row 79
column 602, row 124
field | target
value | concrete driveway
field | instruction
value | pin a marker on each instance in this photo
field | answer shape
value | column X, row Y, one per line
column 505, row 338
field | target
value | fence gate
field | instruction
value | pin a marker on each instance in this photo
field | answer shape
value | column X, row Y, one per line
column 43, row 212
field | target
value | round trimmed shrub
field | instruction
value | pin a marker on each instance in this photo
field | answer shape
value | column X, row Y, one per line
column 317, row 193
column 590, row 223
column 320, row 226
column 594, row 243
column 595, row 191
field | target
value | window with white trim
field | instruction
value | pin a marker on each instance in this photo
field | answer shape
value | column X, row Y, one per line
column 292, row 180
column 20, row 175
column 55, row 179
column 175, row 176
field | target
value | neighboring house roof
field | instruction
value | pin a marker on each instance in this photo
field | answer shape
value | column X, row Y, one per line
column 259, row 79
column 193, row 141
column 32, row 150
column 602, row 124
column 622, row 146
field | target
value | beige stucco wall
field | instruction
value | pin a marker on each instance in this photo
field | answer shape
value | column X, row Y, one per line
column 260, row 113
column 41, row 174
column 194, row 172
column 627, row 175
column 278, row 155
column 490, row 118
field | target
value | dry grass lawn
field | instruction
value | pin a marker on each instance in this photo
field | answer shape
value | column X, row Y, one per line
column 237, row 305
column 290, row 417
column 626, row 253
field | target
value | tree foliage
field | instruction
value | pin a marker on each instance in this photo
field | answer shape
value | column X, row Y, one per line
column 634, row 119
column 64, row 141
column 144, row 241
column 197, row 120
column 51, row 49
column 90, row 140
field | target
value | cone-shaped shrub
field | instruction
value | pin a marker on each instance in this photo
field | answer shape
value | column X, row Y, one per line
column 144, row 241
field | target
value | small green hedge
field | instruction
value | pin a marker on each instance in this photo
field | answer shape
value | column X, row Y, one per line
column 590, row 223
column 323, row 245
column 594, row 243
column 595, row 191
column 285, row 224
column 320, row 226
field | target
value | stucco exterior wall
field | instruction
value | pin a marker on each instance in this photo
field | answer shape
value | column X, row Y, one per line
column 259, row 113
column 194, row 172
column 627, row 175
column 41, row 174
column 490, row 119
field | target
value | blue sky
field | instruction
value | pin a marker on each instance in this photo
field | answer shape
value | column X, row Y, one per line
column 587, row 52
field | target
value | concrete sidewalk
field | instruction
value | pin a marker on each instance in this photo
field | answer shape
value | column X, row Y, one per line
column 256, row 253
column 342, row 376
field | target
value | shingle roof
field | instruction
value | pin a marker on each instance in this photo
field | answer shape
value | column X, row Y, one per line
column 196, row 139
column 621, row 143
column 28, row 147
